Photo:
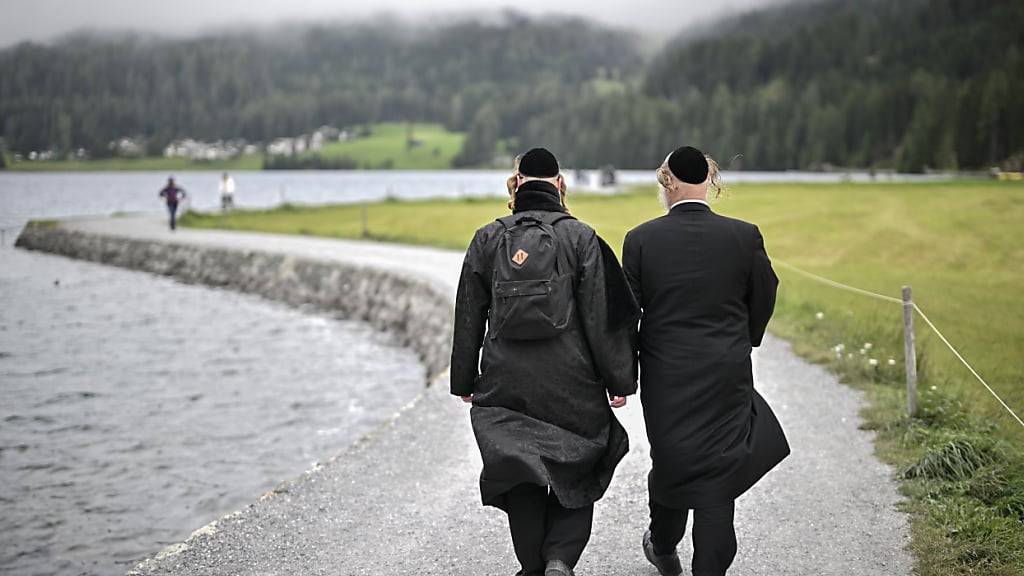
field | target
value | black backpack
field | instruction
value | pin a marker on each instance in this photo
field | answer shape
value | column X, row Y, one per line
column 532, row 282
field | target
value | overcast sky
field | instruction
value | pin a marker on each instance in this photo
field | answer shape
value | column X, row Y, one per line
column 44, row 19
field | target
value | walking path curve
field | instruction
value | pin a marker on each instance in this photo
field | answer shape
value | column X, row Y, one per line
column 404, row 500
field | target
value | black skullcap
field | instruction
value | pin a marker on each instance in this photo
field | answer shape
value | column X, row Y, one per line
column 538, row 163
column 689, row 165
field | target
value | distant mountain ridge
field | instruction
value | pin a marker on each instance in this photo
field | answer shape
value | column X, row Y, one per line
column 913, row 84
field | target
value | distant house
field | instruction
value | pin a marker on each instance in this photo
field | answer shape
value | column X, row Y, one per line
column 281, row 147
column 128, row 147
column 198, row 151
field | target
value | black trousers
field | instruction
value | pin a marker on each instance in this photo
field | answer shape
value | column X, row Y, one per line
column 714, row 535
column 172, row 210
column 542, row 529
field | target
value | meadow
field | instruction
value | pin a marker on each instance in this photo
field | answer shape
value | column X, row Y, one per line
column 387, row 147
column 960, row 460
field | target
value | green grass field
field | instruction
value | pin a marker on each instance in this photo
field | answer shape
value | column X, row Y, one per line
column 386, row 147
column 961, row 460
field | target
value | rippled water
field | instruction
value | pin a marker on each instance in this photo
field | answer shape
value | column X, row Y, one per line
column 136, row 409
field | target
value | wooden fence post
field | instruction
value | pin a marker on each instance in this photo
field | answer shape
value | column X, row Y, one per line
column 909, row 352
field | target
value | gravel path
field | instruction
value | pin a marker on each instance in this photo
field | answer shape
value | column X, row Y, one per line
column 404, row 500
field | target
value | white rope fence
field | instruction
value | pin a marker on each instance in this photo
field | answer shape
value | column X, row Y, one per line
column 965, row 363
column 906, row 302
column 835, row 284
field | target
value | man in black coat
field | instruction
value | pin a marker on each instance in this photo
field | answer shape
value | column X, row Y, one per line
column 541, row 412
column 707, row 291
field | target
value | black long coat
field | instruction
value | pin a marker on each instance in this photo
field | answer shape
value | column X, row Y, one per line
column 540, row 407
column 707, row 290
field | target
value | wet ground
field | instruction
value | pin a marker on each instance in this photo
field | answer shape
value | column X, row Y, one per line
column 136, row 409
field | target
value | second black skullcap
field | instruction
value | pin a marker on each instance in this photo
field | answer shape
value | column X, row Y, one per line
column 538, row 163
column 689, row 165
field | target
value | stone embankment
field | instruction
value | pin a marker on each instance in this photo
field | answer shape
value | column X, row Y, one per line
column 413, row 310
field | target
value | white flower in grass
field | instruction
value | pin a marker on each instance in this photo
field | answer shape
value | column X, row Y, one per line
column 892, row 361
column 934, row 388
column 873, row 361
column 863, row 351
column 849, row 354
column 820, row 315
column 868, row 345
column 839, row 347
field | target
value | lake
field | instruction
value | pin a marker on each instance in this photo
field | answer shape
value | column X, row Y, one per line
column 25, row 195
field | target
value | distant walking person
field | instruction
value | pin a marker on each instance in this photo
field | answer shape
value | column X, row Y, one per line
column 707, row 290
column 172, row 195
column 227, row 192
column 549, row 304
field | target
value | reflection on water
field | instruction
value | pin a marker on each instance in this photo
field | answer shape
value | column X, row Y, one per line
column 136, row 409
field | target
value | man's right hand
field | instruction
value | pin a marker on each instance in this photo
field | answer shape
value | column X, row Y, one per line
column 468, row 399
column 616, row 401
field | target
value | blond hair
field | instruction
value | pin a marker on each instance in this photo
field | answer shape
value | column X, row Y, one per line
column 512, row 181
column 668, row 180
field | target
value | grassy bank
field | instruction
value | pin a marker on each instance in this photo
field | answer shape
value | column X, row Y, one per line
column 386, row 147
column 960, row 461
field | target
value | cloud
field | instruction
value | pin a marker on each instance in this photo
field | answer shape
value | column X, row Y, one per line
column 43, row 19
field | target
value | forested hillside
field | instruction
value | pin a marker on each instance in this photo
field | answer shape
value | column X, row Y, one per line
column 85, row 91
column 911, row 85
column 908, row 84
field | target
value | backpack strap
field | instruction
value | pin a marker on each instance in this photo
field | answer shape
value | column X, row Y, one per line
column 549, row 218
column 507, row 221
column 552, row 218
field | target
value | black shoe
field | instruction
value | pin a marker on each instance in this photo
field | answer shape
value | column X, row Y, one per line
column 558, row 568
column 667, row 564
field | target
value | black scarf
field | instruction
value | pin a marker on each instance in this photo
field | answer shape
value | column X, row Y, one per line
column 538, row 195
column 622, row 306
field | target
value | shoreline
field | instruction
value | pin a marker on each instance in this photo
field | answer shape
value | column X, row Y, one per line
column 396, row 303
column 413, row 310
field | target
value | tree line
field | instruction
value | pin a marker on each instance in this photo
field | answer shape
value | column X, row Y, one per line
column 87, row 90
column 909, row 85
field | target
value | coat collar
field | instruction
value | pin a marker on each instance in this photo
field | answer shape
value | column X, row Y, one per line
column 690, row 207
column 538, row 195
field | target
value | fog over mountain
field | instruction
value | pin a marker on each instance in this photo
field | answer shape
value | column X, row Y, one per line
column 41, row 20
